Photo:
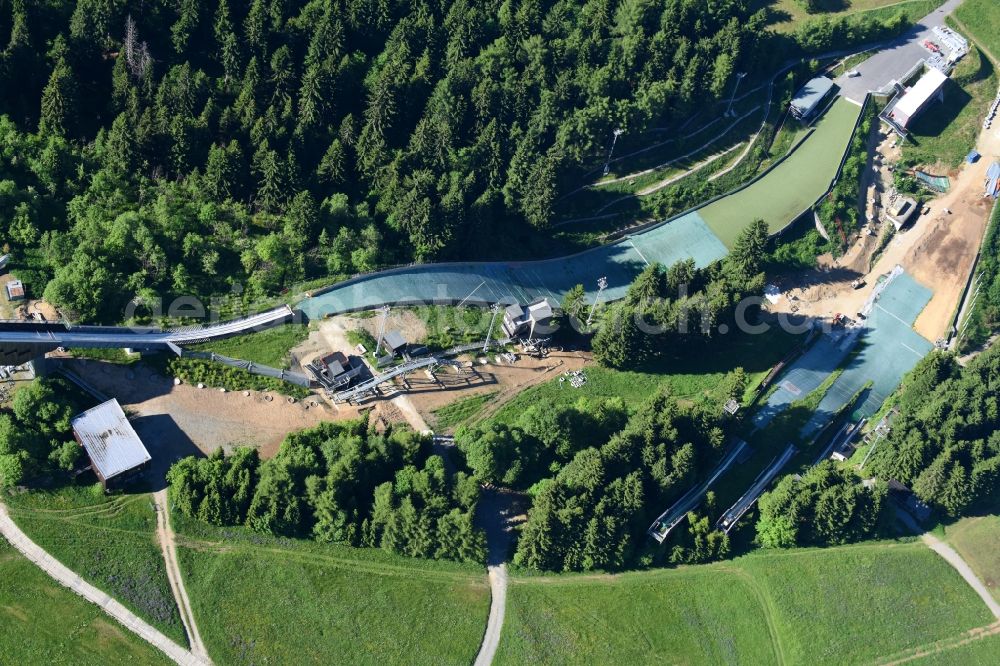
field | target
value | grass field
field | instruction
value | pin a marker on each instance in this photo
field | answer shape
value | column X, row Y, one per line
column 461, row 410
column 265, row 600
column 787, row 15
column 835, row 606
column 269, row 347
column 945, row 133
column 978, row 542
column 44, row 623
column 705, row 615
column 980, row 19
column 110, row 355
column 792, row 186
column 109, row 542
column 849, row 605
column 981, row 652
column 691, row 374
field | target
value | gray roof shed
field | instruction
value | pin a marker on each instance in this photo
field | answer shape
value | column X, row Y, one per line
column 810, row 95
column 540, row 311
column 394, row 340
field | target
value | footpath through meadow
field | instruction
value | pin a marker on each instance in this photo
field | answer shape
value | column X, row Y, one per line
column 71, row 580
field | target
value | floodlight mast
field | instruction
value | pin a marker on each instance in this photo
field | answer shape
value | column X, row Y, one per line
column 739, row 77
column 614, row 139
column 381, row 328
column 496, row 310
column 602, row 284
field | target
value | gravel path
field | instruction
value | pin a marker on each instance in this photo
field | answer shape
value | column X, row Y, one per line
column 165, row 535
column 498, row 606
column 955, row 560
column 71, row 580
column 498, row 513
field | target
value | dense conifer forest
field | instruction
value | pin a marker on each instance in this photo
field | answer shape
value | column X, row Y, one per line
column 152, row 148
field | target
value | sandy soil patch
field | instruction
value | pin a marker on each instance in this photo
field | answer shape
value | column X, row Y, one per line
column 421, row 394
column 46, row 309
column 176, row 420
column 938, row 249
column 331, row 334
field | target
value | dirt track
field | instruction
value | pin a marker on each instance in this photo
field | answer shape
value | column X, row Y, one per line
column 165, row 535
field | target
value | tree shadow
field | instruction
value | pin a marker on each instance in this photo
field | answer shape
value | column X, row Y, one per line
column 166, row 443
column 830, row 6
column 774, row 14
column 936, row 120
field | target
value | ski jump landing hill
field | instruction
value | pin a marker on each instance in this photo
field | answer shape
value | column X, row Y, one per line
column 704, row 234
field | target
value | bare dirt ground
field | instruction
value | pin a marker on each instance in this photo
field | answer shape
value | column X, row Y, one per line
column 180, row 420
column 45, row 308
column 331, row 334
column 410, row 413
column 23, row 309
column 406, row 322
column 423, row 395
column 507, row 381
column 938, row 249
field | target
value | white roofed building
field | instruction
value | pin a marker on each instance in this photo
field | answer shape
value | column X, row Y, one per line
column 928, row 89
column 116, row 453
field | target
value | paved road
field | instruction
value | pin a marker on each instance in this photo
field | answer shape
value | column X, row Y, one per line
column 165, row 535
column 498, row 606
column 955, row 560
column 69, row 579
column 896, row 59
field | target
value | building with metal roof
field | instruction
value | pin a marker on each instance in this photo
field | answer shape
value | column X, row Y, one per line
column 337, row 370
column 900, row 211
column 15, row 290
column 808, row 99
column 116, row 453
column 929, row 88
column 394, row 342
column 517, row 319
